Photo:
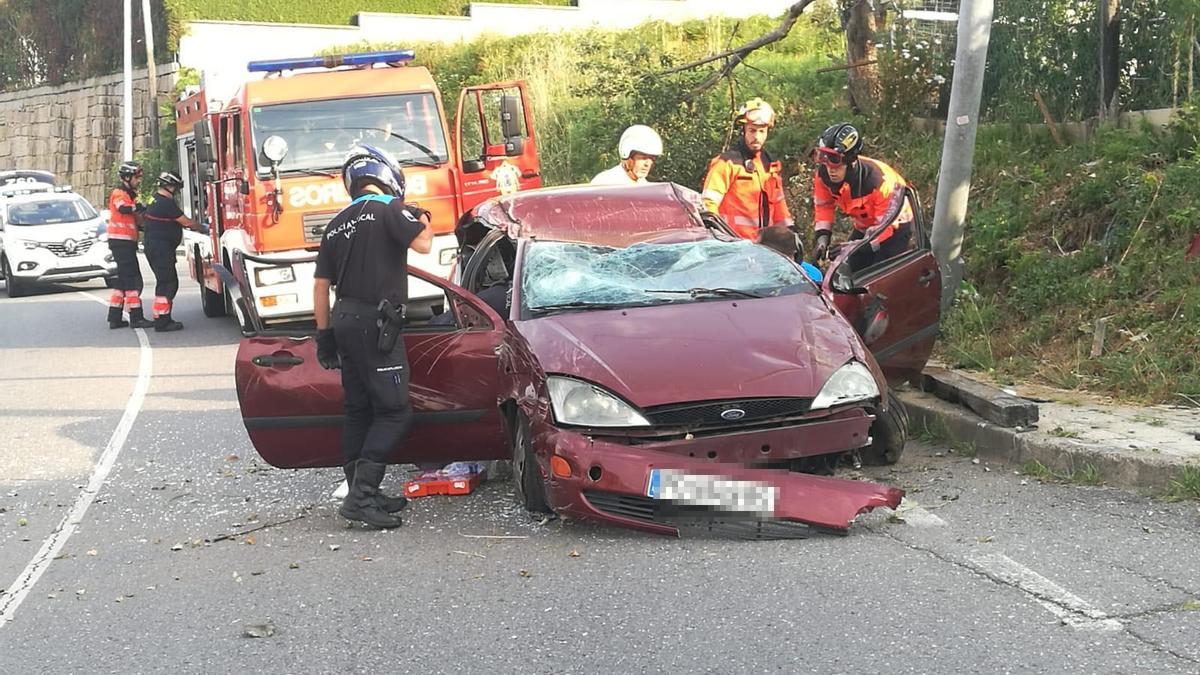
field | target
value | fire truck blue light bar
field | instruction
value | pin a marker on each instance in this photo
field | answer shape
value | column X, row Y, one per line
column 333, row 61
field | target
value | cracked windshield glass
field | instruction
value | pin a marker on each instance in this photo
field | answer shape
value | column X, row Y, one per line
column 319, row 133
column 560, row 275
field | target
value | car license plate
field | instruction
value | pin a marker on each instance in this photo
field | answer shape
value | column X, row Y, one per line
column 711, row 491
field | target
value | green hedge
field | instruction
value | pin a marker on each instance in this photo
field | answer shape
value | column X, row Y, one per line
column 338, row 12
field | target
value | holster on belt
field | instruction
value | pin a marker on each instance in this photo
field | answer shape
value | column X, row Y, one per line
column 390, row 322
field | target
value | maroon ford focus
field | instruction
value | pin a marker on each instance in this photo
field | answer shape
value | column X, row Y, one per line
column 639, row 364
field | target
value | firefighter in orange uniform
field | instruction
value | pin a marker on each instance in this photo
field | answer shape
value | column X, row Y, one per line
column 122, row 242
column 745, row 184
column 869, row 191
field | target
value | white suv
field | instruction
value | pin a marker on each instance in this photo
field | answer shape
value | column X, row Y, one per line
column 50, row 234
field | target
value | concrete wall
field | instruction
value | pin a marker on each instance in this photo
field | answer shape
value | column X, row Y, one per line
column 74, row 129
column 224, row 68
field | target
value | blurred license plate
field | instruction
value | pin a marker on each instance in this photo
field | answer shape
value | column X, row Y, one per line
column 711, row 491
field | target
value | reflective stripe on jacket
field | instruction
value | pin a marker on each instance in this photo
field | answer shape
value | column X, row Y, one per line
column 871, row 195
column 746, row 190
column 121, row 225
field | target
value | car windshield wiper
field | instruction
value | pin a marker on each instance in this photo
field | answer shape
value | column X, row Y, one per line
column 709, row 292
column 564, row 306
column 308, row 172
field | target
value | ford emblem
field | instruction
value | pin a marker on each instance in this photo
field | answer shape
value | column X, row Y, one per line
column 733, row 414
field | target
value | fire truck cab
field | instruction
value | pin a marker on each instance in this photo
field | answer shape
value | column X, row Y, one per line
column 263, row 170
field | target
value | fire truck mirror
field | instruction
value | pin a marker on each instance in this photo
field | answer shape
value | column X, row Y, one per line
column 511, row 122
column 473, row 165
column 243, row 186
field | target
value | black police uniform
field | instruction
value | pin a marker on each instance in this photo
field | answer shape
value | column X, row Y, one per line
column 364, row 253
column 162, row 235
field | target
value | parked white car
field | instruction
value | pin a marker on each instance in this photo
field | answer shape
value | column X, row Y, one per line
column 50, row 235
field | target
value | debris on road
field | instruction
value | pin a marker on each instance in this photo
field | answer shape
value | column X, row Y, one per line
column 477, row 555
column 258, row 630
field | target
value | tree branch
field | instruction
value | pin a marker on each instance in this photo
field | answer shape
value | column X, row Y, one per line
column 735, row 56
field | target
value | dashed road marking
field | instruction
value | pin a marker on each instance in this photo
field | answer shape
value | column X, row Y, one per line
column 1071, row 609
column 916, row 515
column 16, row 593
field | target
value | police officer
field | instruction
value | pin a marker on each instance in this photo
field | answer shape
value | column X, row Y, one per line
column 363, row 255
column 745, row 184
column 868, row 190
column 164, row 222
column 124, row 209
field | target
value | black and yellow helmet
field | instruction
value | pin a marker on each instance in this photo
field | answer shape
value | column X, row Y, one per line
column 841, row 140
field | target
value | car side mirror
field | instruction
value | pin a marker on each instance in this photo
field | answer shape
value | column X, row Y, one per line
column 514, row 146
column 473, row 166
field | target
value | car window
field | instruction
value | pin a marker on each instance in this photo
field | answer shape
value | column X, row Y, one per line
column 49, row 212
column 583, row 275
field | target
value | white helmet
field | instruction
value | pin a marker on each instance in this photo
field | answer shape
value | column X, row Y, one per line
column 640, row 138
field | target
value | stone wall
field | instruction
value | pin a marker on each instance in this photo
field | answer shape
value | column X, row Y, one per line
column 74, row 129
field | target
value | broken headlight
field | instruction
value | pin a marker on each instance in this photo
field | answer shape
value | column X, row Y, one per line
column 583, row 404
column 852, row 382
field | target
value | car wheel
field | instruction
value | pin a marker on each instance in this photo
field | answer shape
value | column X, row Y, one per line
column 889, row 433
column 526, row 480
column 14, row 288
column 213, row 304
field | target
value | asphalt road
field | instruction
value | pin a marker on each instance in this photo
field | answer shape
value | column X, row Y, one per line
column 183, row 543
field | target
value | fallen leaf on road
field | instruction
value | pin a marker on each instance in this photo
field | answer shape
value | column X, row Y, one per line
column 986, row 539
column 258, row 630
column 293, row 566
column 177, row 547
column 250, row 540
column 366, row 558
column 22, row 522
column 525, row 573
column 232, row 458
column 92, row 552
column 573, row 553
column 334, row 547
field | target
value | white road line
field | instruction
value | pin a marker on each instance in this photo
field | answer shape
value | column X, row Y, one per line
column 16, row 593
column 1071, row 609
column 916, row 515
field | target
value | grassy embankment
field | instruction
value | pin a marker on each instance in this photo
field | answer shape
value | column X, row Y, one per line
column 1058, row 237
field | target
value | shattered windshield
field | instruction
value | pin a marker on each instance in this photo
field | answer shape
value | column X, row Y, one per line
column 567, row 276
column 319, row 133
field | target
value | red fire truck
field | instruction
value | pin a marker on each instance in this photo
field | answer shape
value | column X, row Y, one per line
column 263, row 169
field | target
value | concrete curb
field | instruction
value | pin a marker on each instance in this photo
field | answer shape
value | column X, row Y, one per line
column 1117, row 466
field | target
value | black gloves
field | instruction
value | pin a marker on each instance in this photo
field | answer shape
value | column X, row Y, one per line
column 327, row 353
column 822, row 247
column 139, row 207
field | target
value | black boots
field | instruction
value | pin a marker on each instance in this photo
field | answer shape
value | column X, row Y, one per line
column 114, row 318
column 389, row 504
column 360, row 503
column 138, row 320
column 163, row 323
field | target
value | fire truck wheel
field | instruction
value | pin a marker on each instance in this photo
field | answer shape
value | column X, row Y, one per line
column 527, row 481
column 213, row 304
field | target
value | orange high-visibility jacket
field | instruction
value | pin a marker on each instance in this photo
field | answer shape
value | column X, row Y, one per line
column 746, row 189
column 872, row 194
column 122, row 225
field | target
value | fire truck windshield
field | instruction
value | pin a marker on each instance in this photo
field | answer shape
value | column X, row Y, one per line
column 319, row 133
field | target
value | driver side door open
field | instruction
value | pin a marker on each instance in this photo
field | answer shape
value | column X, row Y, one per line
column 292, row 408
column 894, row 304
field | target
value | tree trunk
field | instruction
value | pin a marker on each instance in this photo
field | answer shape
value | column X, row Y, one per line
column 861, row 23
column 1110, row 61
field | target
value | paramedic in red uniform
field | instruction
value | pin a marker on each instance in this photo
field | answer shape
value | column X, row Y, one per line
column 122, row 242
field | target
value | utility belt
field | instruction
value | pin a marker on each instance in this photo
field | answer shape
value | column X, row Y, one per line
column 389, row 319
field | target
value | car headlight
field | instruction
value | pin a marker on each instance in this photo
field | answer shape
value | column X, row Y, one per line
column 270, row 276
column 852, row 382
column 30, row 245
column 587, row 405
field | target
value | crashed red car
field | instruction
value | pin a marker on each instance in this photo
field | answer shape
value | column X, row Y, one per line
column 646, row 368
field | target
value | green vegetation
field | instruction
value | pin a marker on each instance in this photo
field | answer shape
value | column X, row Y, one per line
column 337, row 12
column 1187, row 485
column 1087, row 475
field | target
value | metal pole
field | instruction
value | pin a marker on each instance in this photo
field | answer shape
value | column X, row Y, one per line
column 958, row 148
column 127, row 103
column 151, row 73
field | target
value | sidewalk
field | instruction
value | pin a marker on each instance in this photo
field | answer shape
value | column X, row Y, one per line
column 1077, row 437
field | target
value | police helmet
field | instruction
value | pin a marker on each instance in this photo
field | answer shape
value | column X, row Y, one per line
column 167, row 179
column 842, row 141
column 367, row 164
column 129, row 169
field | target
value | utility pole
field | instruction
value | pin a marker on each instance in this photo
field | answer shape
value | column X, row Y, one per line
column 958, row 148
column 151, row 73
column 1109, row 12
column 127, row 103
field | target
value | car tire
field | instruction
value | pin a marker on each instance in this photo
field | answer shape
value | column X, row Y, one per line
column 14, row 288
column 527, row 483
column 213, row 304
column 889, row 434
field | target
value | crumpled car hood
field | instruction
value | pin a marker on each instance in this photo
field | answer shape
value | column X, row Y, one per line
column 709, row 350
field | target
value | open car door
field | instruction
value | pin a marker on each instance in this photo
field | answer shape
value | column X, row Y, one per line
column 495, row 148
column 895, row 302
column 292, row 407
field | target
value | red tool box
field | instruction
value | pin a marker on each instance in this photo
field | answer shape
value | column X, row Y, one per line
column 443, row 482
